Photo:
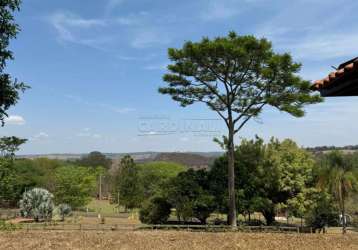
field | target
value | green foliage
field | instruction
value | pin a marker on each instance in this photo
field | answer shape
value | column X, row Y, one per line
column 153, row 175
column 9, row 88
column 267, row 175
column 323, row 212
column 64, row 210
column 127, row 189
column 188, row 194
column 19, row 175
column 7, row 182
column 240, row 73
column 36, row 173
column 155, row 211
column 38, row 204
column 5, row 226
column 9, row 145
column 339, row 176
column 236, row 76
column 74, row 185
column 95, row 159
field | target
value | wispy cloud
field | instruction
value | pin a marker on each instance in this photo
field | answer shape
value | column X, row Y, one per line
column 225, row 9
column 103, row 106
column 15, row 120
column 308, row 32
column 72, row 28
column 112, row 5
column 220, row 9
column 325, row 46
column 149, row 38
column 39, row 136
column 160, row 66
column 87, row 132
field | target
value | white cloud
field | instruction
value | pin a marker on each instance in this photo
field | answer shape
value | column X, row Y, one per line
column 295, row 28
column 326, row 46
column 112, row 5
column 108, row 107
column 15, row 120
column 149, row 38
column 40, row 136
column 161, row 66
column 184, row 139
column 72, row 28
column 87, row 132
column 223, row 9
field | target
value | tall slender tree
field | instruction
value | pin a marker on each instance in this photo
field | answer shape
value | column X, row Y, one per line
column 9, row 88
column 236, row 76
column 339, row 175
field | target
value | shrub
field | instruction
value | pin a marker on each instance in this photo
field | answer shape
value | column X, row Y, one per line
column 323, row 213
column 64, row 210
column 37, row 204
column 156, row 211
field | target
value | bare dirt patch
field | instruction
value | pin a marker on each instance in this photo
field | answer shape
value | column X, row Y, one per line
column 172, row 240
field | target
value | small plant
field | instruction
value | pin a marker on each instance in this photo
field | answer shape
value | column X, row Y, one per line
column 4, row 226
column 64, row 210
column 37, row 204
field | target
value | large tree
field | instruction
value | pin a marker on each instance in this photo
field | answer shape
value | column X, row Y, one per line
column 74, row 185
column 267, row 175
column 95, row 159
column 127, row 189
column 9, row 145
column 9, row 88
column 236, row 76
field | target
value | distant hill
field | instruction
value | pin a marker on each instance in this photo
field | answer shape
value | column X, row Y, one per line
column 191, row 160
column 322, row 149
column 196, row 160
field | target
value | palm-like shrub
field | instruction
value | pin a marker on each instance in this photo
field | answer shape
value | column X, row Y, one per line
column 38, row 204
column 338, row 175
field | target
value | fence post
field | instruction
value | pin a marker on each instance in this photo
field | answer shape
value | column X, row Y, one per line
column 80, row 227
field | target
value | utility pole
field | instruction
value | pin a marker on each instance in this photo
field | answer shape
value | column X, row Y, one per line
column 100, row 187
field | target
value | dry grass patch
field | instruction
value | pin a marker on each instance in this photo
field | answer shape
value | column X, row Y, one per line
column 172, row 240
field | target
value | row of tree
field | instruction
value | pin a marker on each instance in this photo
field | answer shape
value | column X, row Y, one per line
column 69, row 182
column 272, row 177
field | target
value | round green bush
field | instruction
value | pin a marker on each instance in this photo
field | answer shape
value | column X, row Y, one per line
column 156, row 211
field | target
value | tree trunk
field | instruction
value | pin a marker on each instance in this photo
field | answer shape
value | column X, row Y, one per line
column 344, row 225
column 232, row 221
column 269, row 215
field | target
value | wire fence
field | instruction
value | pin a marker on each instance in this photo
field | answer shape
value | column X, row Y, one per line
column 132, row 227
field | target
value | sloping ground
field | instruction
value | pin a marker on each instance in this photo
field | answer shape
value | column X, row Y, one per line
column 190, row 160
column 173, row 240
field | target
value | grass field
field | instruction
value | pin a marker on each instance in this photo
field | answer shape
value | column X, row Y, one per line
column 173, row 240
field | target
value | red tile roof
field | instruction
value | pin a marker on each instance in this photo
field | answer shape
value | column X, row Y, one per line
column 344, row 72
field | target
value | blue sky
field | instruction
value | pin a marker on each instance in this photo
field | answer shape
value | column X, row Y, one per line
column 95, row 66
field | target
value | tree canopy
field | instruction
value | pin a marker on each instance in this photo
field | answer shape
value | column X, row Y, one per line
column 9, row 88
column 236, row 76
column 339, row 176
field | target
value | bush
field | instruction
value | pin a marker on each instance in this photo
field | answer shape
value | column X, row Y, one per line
column 323, row 214
column 37, row 204
column 156, row 211
column 64, row 210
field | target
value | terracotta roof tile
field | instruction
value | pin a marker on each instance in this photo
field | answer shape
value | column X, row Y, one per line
column 336, row 76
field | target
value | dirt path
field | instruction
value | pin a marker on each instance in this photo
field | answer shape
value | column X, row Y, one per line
column 172, row 240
